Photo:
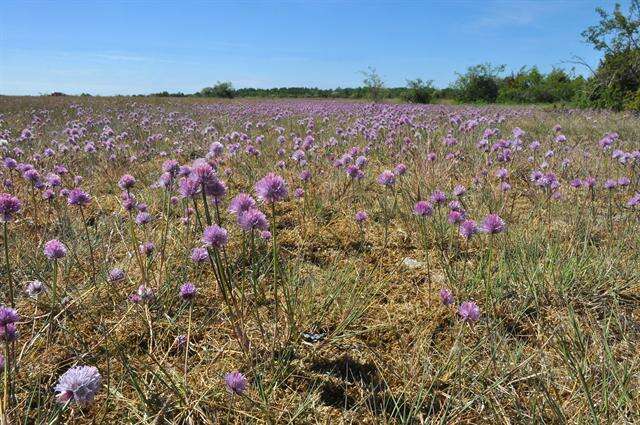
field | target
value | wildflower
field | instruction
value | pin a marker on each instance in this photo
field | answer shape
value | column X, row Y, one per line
column 188, row 291
column 271, row 188
column 215, row 236
column 624, row 181
column 8, row 319
column 438, row 197
column 188, row 188
column 236, row 383
column 78, row 384
column 423, row 209
column 589, row 182
column 387, row 178
column 446, row 296
column 34, row 288
column 241, row 203
column 8, row 332
column 180, row 341
column 116, row 275
column 361, row 216
column 469, row 311
column 143, row 218
column 199, row 255
column 214, row 187
column 9, row 206
column 400, row 169
column 634, row 200
column 575, row 183
column 54, row 250
column 126, row 182
column 147, row 248
column 456, row 217
column 459, row 190
column 265, row 234
column 305, row 175
column 610, row 184
column 143, row 294
column 253, row 219
column 468, row 228
column 78, row 197
column 8, row 316
column 493, row 224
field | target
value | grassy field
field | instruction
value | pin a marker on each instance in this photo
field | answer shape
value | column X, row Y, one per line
column 491, row 275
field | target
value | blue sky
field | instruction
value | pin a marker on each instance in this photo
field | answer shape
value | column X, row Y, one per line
column 111, row 47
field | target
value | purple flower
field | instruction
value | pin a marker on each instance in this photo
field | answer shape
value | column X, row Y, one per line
column 78, row 384
column 589, row 182
column 253, row 219
column 610, row 184
column 199, row 255
column 9, row 206
column 361, row 216
column 469, row 311
column 493, row 224
column 305, row 175
column 459, row 190
column 236, row 383
column 215, row 187
column 147, row 248
column 143, row 294
column 126, row 182
column 576, row 183
column 423, row 209
column 8, row 316
column 8, row 332
column 34, row 288
column 188, row 188
column 446, row 296
column 215, row 236
column 634, row 201
column 116, row 275
column 400, row 169
column 78, row 197
column 624, row 181
column 468, row 228
column 241, row 203
column 456, row 217
column 265, row 234
column 387, row 178
column 438, row 197
column 188, row 291
column 143, row 218
column 271, row 188
column 54, row 250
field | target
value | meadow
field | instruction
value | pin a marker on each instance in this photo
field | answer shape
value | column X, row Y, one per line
column 316, row 261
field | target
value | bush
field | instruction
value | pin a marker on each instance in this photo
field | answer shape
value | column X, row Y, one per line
column 223, row 90
column 531, row 86
column 479, row 84
column 418, row 91
column 615, row 83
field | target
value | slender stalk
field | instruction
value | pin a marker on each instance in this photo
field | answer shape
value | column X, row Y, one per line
column 186, row 350
column 7, row 264
column 86, row 231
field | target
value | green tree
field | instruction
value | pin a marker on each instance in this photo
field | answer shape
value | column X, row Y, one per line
column 479, row 84
column 418, row 91
column 373, row 84
column 616, row 82
column 221, row 89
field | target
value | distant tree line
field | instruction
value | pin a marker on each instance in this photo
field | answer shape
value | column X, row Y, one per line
column 614, row 84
